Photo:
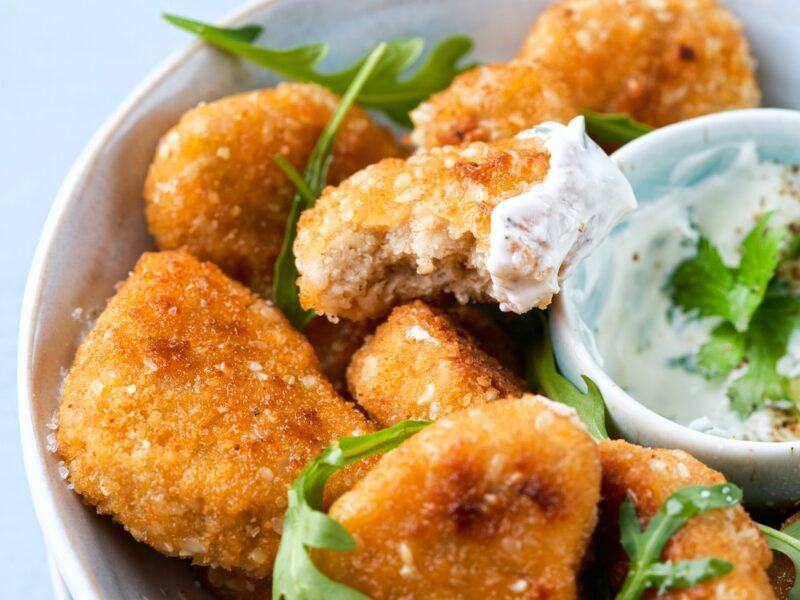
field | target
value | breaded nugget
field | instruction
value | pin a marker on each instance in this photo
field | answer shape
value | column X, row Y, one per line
column 421, row 365
column 470, row 220
column 335, row 344
column 400, row 230
column 214, row 187
column 649, row 476
column 492, row 102
column 491, row 502
column 190, row 407
column 660, row 61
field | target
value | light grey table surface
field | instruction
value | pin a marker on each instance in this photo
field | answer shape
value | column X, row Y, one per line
column 64, row 66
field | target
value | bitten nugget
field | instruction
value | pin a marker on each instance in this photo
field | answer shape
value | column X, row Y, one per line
column 472, row 221
column 659, row 61
column 492, row 102
column 496, row 501
column 215, row 188
column 190, row 407
column 649, row 477
column 421, row 365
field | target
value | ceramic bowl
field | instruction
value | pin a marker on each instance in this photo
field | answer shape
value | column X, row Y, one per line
column 96, row 229
column 769, row 472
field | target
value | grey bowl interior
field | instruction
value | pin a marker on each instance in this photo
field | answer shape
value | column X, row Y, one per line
column 96, row 229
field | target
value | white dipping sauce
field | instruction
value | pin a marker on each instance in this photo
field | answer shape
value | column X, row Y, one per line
column 640, row 334
column 538, row 236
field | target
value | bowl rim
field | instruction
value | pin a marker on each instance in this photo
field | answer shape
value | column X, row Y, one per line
column 75, row 575
column 565, row 319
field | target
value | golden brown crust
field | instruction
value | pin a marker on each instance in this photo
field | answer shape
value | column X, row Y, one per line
column 418, row 228
column 214, row 187
column 421, row 365
column 190, row 407
column 492, row 102
column 490, row 335
column 492, row 502
column 649, row 477
column 661, row 61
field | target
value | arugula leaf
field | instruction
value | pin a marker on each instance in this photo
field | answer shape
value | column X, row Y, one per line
column 705, row 284
column 787, row 542
column 686, row 573
column 309, row 187
column 644, row 548
column 385, row 92
column 614, row 129
column 305, row 526
column 542, row 374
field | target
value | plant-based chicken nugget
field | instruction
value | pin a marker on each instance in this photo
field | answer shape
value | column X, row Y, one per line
column 190, row 407
column 502, row 222
column 492, row 102
column 660, row 61
column 649, row 476
column 215, row 188
column 421, row 365
column 496, row 501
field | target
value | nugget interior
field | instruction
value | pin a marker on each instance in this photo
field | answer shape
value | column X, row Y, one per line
column 190, row 407
column 488, row 502
column 400, row 230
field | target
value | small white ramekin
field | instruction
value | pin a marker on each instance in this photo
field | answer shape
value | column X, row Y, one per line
column 769, row 472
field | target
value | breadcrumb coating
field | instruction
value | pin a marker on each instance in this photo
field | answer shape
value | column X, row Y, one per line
column 495, row 501
column 490, row 335
column 215, row 188
column 660, row 61
column 649, row 476
column 492, row 102
column 405, row 229
column 421, row 365
column 190, row 407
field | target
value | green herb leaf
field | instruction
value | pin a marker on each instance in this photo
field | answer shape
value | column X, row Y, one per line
column 766, row 341
column 644, row 548
column 390, row 90
column 705, row 284
column 613, row 129
column 759, row 314
column 305, row 525
column 722, row 353
column 786, row 541
column 685, row 574
column 543, row 375
column 309, row 187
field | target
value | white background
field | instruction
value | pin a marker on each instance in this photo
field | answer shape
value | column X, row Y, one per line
column 64, row 66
